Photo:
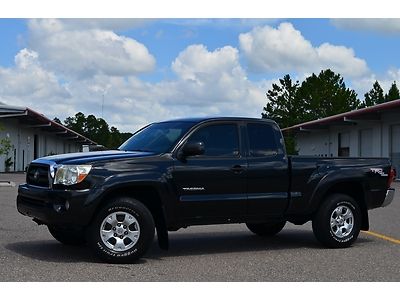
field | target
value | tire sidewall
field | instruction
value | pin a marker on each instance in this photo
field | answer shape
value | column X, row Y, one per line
column 356, row 223
column 146, row 224
column 321, row 222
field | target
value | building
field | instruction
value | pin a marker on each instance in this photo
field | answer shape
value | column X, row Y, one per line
column 32, row 135
column 369, row 132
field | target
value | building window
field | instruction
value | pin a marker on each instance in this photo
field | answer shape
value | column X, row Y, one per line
column 344, row 144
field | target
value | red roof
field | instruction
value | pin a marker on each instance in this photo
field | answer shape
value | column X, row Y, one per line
column 57, row 126
column 34, row 119
column 347, row 116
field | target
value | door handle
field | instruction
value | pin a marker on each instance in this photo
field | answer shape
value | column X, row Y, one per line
column 237, row 169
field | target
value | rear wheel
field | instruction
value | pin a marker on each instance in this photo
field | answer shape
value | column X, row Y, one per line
column 67, row 236
column 122, row 231
column 337, row 222
column 266, row 229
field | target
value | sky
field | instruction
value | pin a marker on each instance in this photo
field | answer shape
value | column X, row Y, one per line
column 150, row 70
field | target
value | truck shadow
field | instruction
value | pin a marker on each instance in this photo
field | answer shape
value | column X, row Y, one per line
column 52, row 251
column 181, row 244
column 187, row 244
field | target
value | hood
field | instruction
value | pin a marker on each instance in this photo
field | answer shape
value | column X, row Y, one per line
column 89, row 157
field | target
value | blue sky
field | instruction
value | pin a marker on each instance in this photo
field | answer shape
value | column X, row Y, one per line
column 166, row 68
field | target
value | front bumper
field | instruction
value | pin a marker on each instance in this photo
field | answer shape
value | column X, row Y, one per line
column 55, row 207
column 389, row 197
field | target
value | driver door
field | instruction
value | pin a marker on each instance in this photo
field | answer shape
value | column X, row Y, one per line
column 212, row 187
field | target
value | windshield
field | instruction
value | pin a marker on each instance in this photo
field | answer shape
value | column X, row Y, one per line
column 157, row 137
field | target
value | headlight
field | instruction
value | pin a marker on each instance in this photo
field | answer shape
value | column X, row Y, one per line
column 71, row 174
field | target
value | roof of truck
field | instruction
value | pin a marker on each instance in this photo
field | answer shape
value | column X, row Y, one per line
column 203, row 119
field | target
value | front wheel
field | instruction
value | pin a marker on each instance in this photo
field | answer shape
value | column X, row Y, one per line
column 337, row 222
column 122, row 231
column 266, row 229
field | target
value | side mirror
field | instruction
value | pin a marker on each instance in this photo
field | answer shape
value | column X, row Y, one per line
column 192, row 149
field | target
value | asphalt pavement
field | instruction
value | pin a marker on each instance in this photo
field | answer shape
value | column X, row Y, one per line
column 203, row 253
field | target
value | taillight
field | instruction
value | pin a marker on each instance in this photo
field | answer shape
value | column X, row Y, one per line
column 392, row 176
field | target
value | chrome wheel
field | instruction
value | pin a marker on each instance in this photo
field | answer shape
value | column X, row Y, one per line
column 120, row 231
column 342, row 221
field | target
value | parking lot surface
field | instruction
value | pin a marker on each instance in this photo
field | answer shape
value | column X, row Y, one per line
column 203, row 253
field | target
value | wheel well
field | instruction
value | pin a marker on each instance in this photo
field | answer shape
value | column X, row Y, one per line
column 356, row 191
column 151, row 199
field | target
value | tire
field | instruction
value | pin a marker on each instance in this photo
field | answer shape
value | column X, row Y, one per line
column 122, row 231
column 266, row 229
column 337, row 222
column 67, row 236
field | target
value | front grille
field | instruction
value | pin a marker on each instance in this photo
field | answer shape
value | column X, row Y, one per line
column 38, row 175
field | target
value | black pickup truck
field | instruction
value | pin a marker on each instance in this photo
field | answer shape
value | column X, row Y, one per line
column 174, row 174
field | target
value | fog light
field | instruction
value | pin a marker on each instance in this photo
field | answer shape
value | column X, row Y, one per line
column 60, row 207
column 57, row 207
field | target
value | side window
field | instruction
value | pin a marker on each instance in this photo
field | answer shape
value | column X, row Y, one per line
column 219, row 140
column 262, row 141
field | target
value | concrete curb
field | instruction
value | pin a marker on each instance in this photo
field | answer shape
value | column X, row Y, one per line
column 7, row 183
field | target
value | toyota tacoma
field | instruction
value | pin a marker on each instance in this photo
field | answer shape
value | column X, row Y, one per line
column 174, row 174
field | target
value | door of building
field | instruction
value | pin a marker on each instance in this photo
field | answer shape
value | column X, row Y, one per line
column 366, row 142
column 395, row 147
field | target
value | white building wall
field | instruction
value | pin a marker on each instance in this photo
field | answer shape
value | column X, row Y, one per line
column 324, row 142
column 10, row 130
column 313, row 143
column 22, row 144
column 22, row 140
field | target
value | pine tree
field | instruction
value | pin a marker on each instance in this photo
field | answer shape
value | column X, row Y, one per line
column 97, row 130
column 317, row 97
column 283, row 106
column 393, row 93
column 326, row 95
column 375, row 95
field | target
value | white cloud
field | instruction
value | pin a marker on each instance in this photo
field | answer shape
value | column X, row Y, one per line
column 198, row 64
column 285, row 49
column 68, row 68
column 207, row 83
column 215, row 81
column 364, row 84
column 70, row 64
column 86, row 52
column 389, row 26
column 27, row 82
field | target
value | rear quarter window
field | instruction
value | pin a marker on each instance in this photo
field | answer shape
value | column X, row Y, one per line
column 262, row 140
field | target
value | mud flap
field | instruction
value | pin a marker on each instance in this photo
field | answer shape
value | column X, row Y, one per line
column 162, row 236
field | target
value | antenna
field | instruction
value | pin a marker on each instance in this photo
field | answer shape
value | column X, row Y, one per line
column 102, row 107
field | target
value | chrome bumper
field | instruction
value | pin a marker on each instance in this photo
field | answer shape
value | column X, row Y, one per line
column 389, row 197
